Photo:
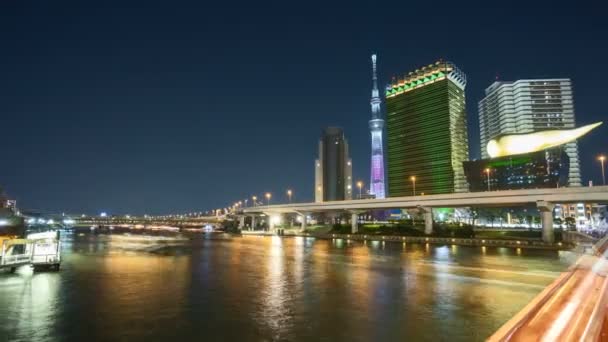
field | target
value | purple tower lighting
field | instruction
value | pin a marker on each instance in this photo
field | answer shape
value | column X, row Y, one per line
column 376, row 126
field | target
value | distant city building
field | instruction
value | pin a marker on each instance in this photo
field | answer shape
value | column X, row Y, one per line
column 427, row 131
column 526, row 106
column 376, row 126
column 333, row 169
column 583, row 213
column 541, row 169
column 11, row 224
column 6, row 203
column 12, row 205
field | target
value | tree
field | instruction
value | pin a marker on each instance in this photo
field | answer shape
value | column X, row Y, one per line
column 231, row 226
column 489, row 214
column 491, row 218
column 501, row 216
column 570, row 223
column 474, row 216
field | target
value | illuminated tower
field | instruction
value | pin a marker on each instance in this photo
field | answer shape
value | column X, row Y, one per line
column 376, row 126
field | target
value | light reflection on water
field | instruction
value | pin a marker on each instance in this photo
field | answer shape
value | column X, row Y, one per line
column 271, row 288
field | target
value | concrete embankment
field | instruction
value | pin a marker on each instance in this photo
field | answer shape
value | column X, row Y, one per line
column 523, row 243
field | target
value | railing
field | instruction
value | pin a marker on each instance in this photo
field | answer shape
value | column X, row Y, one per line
column 45, row 258
column 573, row 308
column 8, row 260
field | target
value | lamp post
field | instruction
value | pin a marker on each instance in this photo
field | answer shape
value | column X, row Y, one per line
column 289, row 195
column 268, row 196
column 601, row 159
column 359, row 185
column 413, row 178
column 254, row 198
column 488, row 174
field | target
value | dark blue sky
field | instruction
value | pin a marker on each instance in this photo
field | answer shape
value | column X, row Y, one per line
column 160, row 107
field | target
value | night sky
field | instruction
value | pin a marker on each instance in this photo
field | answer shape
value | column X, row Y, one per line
column 166, row 107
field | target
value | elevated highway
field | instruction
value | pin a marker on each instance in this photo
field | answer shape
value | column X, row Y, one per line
column 544, row 199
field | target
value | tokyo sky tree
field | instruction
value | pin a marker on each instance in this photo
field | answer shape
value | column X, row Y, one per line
column 376, row 126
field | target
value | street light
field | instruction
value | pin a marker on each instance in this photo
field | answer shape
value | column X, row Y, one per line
column 413, row 178
column 268, row 195
column 488, row 174
column 289, row 194
column 359, row 185
column 254, row 198
column 601, row 159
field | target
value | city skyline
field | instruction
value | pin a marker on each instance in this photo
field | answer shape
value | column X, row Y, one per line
column 294, row 171
column 164, row 112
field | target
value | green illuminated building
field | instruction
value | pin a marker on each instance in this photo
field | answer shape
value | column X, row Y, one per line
column 427, row 131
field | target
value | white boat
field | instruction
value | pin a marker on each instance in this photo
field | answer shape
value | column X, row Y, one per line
column 40, row 250
column 46, row 250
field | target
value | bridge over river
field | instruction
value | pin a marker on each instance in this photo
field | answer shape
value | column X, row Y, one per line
column 544, row 199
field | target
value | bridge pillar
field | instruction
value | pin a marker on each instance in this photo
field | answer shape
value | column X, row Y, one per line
column 428, row 219
column 304, row 219
column 242, row 222
column 270, row 220
column 546, row 219
column 252, row 223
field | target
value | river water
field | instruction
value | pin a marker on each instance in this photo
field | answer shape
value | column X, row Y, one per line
column 141, row 288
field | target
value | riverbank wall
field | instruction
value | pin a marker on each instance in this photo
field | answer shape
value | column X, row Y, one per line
column 523, row 243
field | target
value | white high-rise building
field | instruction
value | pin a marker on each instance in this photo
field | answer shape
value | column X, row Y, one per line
column 526, row 106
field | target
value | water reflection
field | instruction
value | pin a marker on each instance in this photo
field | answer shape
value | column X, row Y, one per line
column 271, row 288
column 30, row 306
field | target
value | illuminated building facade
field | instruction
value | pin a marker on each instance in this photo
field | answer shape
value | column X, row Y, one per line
column 11, row 223
column 6, row 203
column 526, row 106
column 584, row 213
column 376, row 126
column 427, row 131
column 333, row 168
column 541, row 169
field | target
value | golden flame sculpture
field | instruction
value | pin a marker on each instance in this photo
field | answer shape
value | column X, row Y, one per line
column 525, row 143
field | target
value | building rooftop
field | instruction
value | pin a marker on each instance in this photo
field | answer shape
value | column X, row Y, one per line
column 424, row 76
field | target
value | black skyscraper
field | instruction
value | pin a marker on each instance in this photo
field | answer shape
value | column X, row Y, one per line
column 333, row 169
